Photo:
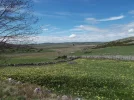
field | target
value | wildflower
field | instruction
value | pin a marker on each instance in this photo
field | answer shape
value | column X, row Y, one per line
column 18, row 83
column 10, row 80
column 64, row 97
column 58, row 97
column 131, row 66
column 53, row 95
column 77, row 99
column 37, row 90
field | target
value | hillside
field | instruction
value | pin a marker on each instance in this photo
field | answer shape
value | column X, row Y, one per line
column 121, row 42
column 118, row 47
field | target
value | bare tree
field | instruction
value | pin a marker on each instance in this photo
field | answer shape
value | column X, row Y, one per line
column 16, row 20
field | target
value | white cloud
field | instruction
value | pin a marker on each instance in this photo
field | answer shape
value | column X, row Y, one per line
column 48, row 28
column 45, row 29
column 131, row 30
column 94, row 20
column 72, row 36
column 86, row 33
column 80, row 38
column 88, row 28
column 112, row 18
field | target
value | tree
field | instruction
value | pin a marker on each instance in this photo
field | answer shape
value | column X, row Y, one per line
column 16, row 20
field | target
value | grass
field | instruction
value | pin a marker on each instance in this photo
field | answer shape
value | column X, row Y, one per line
column 41, row 53
column 89, row 79
column 17, row 58
column 26, row 59
column 115, row 50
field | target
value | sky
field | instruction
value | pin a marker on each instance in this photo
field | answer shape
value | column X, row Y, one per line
column 84, row 20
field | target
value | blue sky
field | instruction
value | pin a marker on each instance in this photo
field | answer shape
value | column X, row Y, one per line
column 84, row 20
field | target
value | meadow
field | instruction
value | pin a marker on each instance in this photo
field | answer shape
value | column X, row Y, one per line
column 89, row 79
column 113, row 50
column 49, row 52
column 40, row 53
column 84, row 78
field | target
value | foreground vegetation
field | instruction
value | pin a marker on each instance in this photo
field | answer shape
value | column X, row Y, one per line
column 89, row 79
column 11, row 90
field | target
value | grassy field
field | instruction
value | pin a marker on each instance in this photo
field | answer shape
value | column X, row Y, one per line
column 84, row 78
column 28, row 57
column 50, row 52
column 115, row 50
column 41, row 53
column 89, row 79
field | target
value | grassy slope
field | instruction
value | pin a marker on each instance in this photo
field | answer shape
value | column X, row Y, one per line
column 121, row 42
column 94, row 79
column 119, row 47
column 115, row 50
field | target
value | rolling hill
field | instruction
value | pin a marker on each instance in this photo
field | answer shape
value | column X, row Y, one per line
column 121, row 42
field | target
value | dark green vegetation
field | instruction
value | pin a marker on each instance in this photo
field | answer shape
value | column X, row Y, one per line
column 14, row 48
column 91, row 79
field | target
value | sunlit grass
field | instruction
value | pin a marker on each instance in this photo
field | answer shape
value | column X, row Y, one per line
column 90, row 79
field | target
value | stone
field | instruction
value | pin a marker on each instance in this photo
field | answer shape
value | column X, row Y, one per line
column 64, row 97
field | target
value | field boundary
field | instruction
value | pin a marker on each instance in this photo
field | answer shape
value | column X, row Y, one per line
column 71, row 58
column 111, row 57
column 41, row 63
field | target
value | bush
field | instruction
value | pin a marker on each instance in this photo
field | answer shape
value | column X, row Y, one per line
column 61, row 57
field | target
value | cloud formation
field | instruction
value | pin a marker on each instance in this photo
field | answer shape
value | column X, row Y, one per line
column 131, row 30
column 72, row 36
column 48, row 28
column 88, row 28
column 86, row 33
column 94, row 20
column 112, row 18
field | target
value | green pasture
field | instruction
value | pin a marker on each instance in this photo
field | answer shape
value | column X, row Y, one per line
column 40, row 53
column 27, row 58
column 88, row 79
column 115, row 50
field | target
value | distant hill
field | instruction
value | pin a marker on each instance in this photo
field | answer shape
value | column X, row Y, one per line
column 69, row 43
column 121, row 42
column 10, row 48
column 131, row 39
